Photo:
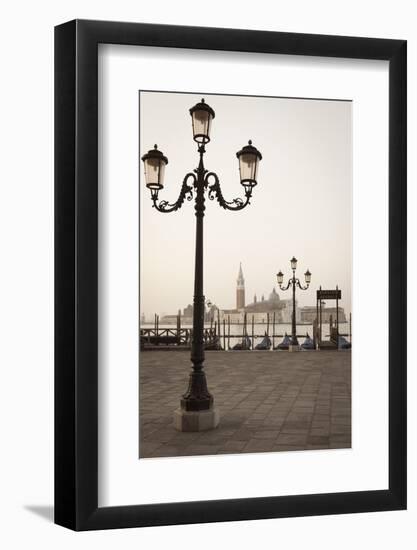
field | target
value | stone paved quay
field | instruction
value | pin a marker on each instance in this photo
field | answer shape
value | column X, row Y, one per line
column 268, row 401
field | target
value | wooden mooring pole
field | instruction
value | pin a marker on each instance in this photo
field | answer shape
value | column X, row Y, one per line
column 219, row 326
column 253, row 331
column 350, row 328
column 178, row 326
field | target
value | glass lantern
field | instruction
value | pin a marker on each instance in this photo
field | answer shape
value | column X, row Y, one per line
column 154, row 162
column 249, row 158
column 201, row 116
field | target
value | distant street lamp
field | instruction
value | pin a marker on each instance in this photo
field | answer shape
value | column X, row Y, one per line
column 196, row 410
column 293, row 281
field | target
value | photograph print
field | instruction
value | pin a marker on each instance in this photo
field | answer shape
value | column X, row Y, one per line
column 245, row 274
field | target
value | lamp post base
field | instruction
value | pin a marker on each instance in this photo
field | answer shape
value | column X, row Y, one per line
column 196, row 421
column 293, row 347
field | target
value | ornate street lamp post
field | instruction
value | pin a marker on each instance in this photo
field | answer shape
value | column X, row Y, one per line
column 293, row 281
column 197, row 410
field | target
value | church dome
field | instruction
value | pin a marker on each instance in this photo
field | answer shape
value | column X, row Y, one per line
column 273, row 297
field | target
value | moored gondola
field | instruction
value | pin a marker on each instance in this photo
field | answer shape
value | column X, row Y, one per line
column 214, row 344
column 343, row 343
column 265, row 344
column 244, row 345
column 308, row 343
column 284, row 344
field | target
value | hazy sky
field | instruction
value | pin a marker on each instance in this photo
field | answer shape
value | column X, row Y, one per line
column 301, row 206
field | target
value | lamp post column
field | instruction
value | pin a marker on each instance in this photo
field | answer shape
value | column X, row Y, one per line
column 294, row 340
column 293, row 282
column 197, row 396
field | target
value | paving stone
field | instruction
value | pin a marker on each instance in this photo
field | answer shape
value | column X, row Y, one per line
column 169, row 451
column 233, row 446
column 340, row 445
column 320, row 424
column 296, row 426
column 340, row 419
column 320, row 431
column 318, row 439
column 194, row 450
column 283, row 448
column 292, row 439
column 266, row 434
column 299, row 417
column 258, row 445
column 147, row 448
column 340, row 429
column 346, row 439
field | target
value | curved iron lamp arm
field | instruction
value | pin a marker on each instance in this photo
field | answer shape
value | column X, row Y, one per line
column 301, row 286
column 288, row 285
column 185, row 193
column 216, row 192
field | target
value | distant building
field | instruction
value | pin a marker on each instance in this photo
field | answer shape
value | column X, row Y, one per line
column 187, row 317
column 309, row 313
column 169, row 319
column 258, row 309
column 240, row 290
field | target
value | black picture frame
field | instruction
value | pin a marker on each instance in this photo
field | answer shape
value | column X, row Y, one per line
column 76, row 272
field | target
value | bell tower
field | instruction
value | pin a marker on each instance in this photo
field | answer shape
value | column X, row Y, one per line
column 240, row 290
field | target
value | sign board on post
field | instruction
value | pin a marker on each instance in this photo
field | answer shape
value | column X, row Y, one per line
column 329, row 294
